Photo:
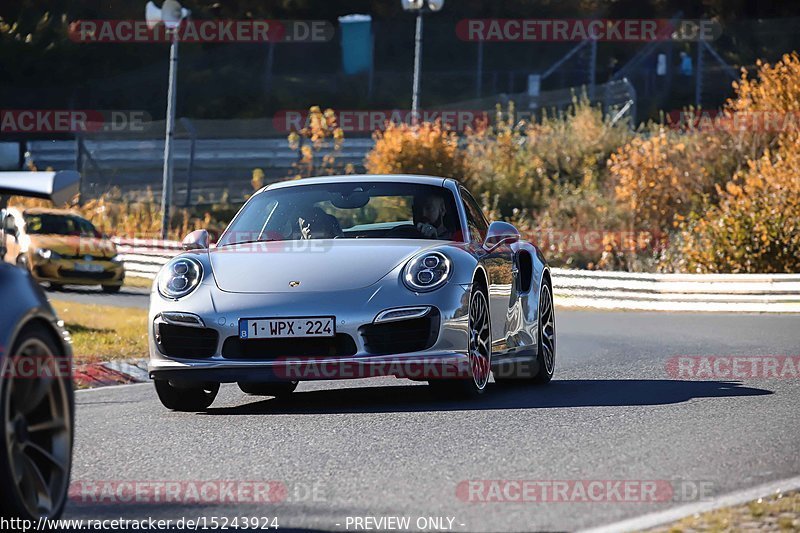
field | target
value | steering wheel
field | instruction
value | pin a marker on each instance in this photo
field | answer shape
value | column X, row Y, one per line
column 404, row 231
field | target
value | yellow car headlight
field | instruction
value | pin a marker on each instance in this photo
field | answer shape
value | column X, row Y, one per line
column 47, row 254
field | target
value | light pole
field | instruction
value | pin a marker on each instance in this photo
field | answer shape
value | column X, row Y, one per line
column 171, row 14
column 419, row 7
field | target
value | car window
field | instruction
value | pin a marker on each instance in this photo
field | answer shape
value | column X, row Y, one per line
column 85, row 228
column 50, row 224
column 476, row 221
column 348, row 210
column 379, row 210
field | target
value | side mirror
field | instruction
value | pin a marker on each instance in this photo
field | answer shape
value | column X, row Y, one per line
column 196, row 240
column 500, row 233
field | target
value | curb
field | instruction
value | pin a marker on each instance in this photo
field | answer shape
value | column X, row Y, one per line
column 94, row 375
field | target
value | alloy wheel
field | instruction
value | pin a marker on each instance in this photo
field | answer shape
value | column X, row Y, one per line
column 480, row 350
column 548, row 329
column 38, row 428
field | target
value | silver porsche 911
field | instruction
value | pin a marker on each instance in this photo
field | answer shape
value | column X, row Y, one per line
column 350, row 277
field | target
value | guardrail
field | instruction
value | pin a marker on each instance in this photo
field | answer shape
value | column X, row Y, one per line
column 752, row 293
column 757, row 293
column 143, row 258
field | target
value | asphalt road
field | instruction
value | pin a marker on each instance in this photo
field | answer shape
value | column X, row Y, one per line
column 385, row 447
column 127, row 297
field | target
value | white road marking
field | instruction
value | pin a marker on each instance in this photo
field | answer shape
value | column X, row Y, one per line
column 659, row 518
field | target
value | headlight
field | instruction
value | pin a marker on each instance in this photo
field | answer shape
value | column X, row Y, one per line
column 427, row 272
column 179, row 277
column 44, row 253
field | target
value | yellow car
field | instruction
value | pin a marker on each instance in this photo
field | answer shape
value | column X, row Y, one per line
column 62, row 248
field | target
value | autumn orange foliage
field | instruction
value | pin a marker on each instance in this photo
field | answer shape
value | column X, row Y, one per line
column 755, row 226
column 425, row 148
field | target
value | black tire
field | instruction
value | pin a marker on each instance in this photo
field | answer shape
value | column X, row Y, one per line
column 535, row 370
column 186, row 399
column 55, row 286
column 111, row 289
column 278, row 389
column 40, row 409
column 479, row 351
column 546, row 347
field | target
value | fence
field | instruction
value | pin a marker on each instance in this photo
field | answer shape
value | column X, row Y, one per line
column 204, row 167
column 216, row 157
column 751, row 293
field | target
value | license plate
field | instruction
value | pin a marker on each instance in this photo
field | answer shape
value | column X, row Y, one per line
column 282, row 328
column 88, row 267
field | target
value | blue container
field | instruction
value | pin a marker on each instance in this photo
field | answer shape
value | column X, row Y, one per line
column 356, row 43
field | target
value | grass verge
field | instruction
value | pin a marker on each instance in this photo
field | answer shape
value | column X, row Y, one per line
column 776, row 513
column 104, row 332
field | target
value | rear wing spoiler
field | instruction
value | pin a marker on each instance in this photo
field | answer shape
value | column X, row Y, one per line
column 59, row 187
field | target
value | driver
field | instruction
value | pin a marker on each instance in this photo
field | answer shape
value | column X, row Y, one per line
column 429, row 212
column 314, row 223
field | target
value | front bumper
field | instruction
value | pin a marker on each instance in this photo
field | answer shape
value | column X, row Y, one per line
column 67, row 272
column 445, row 356
column 415, row 366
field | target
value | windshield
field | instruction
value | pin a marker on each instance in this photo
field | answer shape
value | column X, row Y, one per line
column 51, row 224
column 347, row 211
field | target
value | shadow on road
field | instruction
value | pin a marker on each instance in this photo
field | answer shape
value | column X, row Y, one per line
column 94, row 290
column 561, row 393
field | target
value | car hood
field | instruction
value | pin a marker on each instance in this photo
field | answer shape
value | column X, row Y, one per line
column 321, row 265
column 74, row 246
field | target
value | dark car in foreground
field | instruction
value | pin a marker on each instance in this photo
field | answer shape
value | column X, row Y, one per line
column 36, row 396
